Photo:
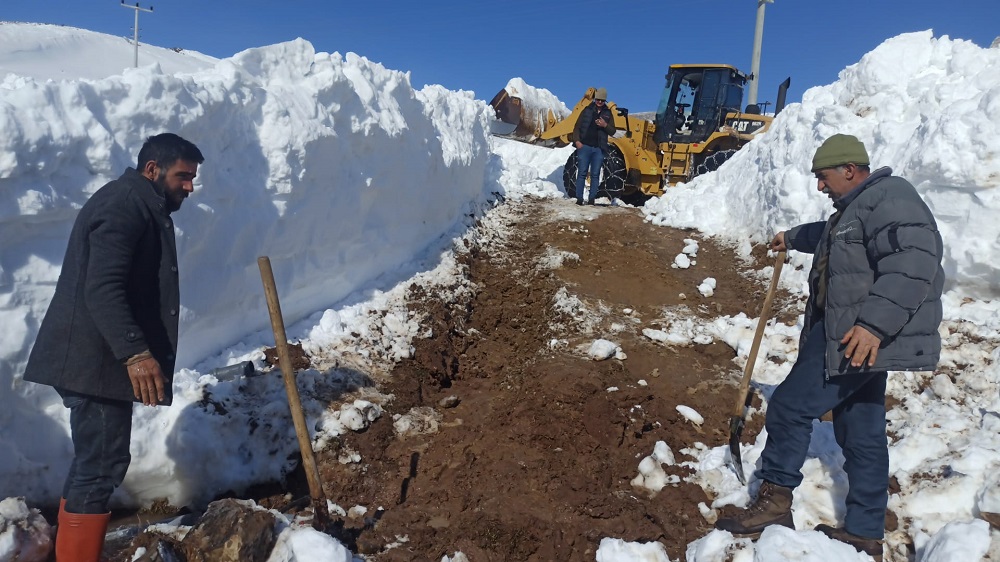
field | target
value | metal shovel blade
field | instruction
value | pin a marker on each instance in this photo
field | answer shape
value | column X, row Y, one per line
column 734, row 458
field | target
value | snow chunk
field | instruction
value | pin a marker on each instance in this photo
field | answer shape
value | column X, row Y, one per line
column 943, row 387
column 612, row 550
column 662, row 453
column 690, row 414
column 988, row 497
column 554, row 258
column 690, row 247
column 959, row 540
column 24, row 534
column 359, row 414
column 655, row 335
column 651, row 474
column 418, row 421
column 707, row 287
column 356, row 416
column 603, row 349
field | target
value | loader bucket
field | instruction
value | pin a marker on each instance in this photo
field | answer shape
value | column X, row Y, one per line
column 508, row 112
column 520, row 121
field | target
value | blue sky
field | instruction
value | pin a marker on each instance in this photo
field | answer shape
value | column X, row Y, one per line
column 563, row 46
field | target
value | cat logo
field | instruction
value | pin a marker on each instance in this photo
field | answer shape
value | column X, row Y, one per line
column 745, row 126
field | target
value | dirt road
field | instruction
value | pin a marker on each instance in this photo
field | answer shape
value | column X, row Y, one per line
column 536, row 443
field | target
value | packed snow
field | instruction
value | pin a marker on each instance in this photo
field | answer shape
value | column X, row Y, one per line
column 356, row 185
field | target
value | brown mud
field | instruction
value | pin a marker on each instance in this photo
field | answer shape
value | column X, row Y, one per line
column 535, row 442
column 533, row 455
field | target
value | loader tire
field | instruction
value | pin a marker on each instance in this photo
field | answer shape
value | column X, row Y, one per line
column 613, row 173
column 569, row 175
column 636, row 198
column 714, row 161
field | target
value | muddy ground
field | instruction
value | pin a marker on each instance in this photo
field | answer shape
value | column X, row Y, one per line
column 535, row 460
column 533, row 454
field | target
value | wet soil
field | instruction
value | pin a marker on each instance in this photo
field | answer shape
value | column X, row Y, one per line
column 534, row 455
column 536, row 443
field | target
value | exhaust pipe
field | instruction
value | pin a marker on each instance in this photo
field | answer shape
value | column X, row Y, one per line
column 782, row 92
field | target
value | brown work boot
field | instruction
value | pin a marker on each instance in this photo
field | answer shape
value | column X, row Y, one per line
column 773, row 506
column 871, row 547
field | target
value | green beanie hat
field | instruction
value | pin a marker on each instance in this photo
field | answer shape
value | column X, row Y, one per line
column 601, row 94
column 838, row 150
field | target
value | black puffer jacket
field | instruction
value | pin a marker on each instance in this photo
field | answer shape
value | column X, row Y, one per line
column 587, row 131
column 884, row 273
column 117, row 294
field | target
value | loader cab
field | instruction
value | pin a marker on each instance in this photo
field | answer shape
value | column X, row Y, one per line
column 695, row 101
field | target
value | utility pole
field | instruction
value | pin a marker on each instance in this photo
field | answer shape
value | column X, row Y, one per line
column 135, row 30
column 758, row 36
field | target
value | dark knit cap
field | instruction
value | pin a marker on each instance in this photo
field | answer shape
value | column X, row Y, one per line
column 839, row 150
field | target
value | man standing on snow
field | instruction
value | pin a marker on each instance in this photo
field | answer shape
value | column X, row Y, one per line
column 874, row 306
column 591, row 134
column 109, row 336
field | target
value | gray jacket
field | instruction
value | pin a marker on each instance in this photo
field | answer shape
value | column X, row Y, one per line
column 117, row 294
column 884, row 273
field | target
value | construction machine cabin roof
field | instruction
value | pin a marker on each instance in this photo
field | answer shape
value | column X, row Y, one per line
column 729, row 66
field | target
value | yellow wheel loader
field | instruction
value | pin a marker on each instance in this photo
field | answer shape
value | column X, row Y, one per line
column 698, row 125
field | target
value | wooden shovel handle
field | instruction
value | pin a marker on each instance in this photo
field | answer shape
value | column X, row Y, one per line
column 285, row 362
column 765, row 313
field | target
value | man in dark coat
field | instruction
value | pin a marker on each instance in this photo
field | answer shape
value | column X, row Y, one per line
column 591, row 134
column 109, row 336
column 874, row 306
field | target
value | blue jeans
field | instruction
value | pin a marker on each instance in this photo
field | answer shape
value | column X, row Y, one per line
column 101, row 430
column 858, row 404
column 588, row 158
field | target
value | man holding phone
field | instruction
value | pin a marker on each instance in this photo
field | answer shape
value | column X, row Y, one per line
column 591, row 142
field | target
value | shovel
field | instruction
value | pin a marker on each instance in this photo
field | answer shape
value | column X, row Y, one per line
column 320, row 514
column 743, row 400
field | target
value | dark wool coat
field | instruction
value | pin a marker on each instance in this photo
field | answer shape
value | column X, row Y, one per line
column 884, row 273
column 117, row 294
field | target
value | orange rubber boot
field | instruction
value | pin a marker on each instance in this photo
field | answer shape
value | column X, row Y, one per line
column 79, row 536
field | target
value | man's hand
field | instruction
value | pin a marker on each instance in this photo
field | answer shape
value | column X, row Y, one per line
column 860, row 344
column 601, row 122
column 578, row 144
column 147, row 381
column 778, row 242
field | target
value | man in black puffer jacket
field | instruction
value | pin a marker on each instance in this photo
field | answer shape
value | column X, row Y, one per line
column 591, row 134
column 109, row 336
column 874, row 306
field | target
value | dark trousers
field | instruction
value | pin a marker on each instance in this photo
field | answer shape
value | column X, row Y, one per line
column 101, row 430
column 858, row 405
